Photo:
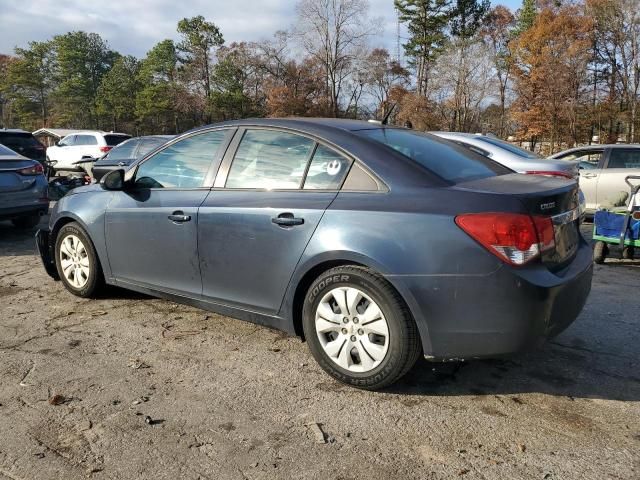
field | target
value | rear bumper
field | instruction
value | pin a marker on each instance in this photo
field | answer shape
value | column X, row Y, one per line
column 45, row 249
column 506, row 311
column 24, row 210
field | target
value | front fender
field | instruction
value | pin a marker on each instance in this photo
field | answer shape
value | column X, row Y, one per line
column 88, row 210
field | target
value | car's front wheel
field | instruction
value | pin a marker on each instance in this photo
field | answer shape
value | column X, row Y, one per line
column 359, row 329
column 77, row 262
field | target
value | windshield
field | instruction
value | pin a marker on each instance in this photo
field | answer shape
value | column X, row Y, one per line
column 450, row 162
column 521, row 152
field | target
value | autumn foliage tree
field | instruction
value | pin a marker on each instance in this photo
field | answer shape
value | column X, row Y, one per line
column 550, row 60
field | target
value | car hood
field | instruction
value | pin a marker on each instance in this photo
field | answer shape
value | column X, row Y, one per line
column 94, row 187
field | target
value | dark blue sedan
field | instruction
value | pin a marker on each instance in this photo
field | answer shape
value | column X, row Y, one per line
column 376, row 244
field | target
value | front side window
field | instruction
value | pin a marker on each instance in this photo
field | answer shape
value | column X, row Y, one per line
column 582, row 156
column 68, row 141
column 327, row 170
column 620, row 158
column 268, row 159
column 182, row 165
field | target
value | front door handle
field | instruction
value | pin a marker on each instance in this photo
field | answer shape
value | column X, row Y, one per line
column 179, row 217
column 287, row 220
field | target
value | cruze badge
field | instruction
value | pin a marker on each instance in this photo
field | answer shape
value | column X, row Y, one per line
column 548, row 206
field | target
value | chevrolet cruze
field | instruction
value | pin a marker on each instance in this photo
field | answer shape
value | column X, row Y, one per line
column 375, row 244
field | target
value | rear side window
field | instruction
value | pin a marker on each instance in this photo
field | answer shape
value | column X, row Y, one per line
column 327, row 170
column 268, row 159
column 86, row 140
column 113, row 140
column 619, row 158
column 452, row 163
column 182, row 165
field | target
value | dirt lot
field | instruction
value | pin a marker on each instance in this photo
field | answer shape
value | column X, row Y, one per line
column 228, row 399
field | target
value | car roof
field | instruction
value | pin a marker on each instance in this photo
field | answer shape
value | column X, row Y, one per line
column 13, row 130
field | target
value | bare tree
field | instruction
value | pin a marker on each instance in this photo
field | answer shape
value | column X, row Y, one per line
column 333, row 32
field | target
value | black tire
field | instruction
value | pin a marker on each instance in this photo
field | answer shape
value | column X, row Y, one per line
column 26, row 223
column 404, row 347
column 95, row 280
column 628, row 252
column 600, row 251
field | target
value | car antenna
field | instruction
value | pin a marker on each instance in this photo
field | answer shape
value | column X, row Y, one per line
column 385, row 120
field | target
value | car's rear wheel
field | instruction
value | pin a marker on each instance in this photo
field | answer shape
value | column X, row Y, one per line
column 26, row 222
column 600, row 251
column 77, row 262
column 359, row 329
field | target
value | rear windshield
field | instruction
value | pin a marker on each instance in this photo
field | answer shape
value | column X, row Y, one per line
column 5, row 151
column 521, row 152
column 149, row 144
column 122, row 151
column 113, row 140
column 18, row 140
column 452, row 163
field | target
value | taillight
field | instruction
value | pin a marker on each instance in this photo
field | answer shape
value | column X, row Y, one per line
column 550, row 173
column 514, row 238
column 105, row 149
column 37, row 169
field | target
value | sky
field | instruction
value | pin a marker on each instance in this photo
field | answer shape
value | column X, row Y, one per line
column 134, row 26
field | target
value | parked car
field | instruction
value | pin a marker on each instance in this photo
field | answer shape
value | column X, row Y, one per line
column 512, row 156
column 82, row 144
column 406, row 245
column 124, row 154
column 23, row 189
column 23, row 143
column 603, row 169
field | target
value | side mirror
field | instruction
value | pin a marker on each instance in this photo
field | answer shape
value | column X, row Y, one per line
column 57, row 144
column 114, row 180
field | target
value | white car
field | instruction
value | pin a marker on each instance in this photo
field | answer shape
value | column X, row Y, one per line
column 75, row 146
column 603, row 169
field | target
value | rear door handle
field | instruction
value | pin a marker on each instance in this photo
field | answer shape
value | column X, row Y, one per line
column 287, row 220
column 589, row 175
column 179, row 217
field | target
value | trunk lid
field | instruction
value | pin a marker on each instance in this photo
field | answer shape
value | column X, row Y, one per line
column 546, row 197
column 11, row 180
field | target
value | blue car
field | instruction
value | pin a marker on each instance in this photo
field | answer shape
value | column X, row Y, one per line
column 23, row 189
column 375, row 244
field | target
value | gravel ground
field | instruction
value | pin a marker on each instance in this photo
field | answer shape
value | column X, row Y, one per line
column 133, row 387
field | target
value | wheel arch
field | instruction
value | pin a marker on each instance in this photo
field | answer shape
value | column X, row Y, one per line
column 66, row 219
column 311, row 269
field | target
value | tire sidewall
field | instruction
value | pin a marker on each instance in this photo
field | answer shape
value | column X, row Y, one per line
column 348, row 277
column 94, row 270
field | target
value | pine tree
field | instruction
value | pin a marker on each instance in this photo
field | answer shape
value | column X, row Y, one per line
column 426, row 21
